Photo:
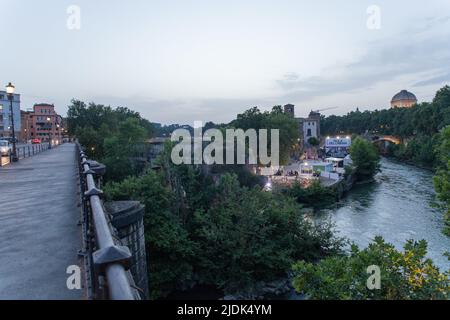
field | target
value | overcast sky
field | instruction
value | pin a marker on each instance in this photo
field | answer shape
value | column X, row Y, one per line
column 180, row 61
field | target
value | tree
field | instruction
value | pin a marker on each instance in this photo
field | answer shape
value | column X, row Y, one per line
column 227, row 236
column 365, row 159
column 442, row 97
column 112, row 136
column 406, row 275
column 442, row 178
column 121, row 149
column 247, row 235
column 315, row 195
column 313, row 141
column 168, row 246
column 276, row 119
column 419, row 126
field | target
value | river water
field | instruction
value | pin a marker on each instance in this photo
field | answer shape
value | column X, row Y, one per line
column 397, row 206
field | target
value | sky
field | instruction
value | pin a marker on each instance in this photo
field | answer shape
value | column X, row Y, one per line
column 190, row 60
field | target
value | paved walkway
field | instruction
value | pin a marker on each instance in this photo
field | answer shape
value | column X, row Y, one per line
column 39, row 236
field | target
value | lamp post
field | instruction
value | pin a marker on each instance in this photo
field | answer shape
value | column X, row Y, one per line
column 10, row 93
column 49, row 119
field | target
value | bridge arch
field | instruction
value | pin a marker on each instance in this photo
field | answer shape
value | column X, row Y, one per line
column 391, row 139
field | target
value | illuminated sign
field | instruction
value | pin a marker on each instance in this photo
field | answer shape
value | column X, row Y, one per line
column 338, row 142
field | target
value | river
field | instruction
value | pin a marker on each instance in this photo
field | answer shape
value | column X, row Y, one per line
column 397, row 206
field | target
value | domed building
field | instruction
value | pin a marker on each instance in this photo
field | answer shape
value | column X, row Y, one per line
column 403, row 99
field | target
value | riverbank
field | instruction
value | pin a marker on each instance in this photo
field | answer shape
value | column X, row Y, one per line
column 409, row 163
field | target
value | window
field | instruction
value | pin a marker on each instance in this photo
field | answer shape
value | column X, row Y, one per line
column 309, row 133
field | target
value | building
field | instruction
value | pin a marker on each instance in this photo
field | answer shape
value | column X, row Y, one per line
column 44, row 124
column 5, row 115
column 338, row 146
column 25, row 124
column 403, row 99
column 308, row 127
column 289, row 109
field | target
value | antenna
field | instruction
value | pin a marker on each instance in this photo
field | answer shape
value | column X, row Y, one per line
column 331, row 108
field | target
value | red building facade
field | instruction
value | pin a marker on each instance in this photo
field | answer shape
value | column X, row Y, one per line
column 44, row 124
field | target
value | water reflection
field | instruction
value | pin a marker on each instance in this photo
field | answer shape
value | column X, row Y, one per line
column 398, row 207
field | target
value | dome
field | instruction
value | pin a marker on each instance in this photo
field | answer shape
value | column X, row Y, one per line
column 404, row 95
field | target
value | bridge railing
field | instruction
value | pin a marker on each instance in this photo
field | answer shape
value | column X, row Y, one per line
column 106, row 262
column 26, row 151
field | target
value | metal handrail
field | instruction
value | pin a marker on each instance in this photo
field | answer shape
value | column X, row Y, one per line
column 26, row 151
column 118, row 283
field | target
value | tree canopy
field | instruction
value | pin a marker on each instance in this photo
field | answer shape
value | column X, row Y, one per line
column 418, row 127
column 222, row 233
column 276, row 119
column 366, row 160
column 112, row 136
column 442, row 178
column 406, row 275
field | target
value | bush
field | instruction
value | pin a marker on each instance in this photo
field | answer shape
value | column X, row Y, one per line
column 169, row 250
column 248, row 236
column 365, row 159
column 313, row 141
column 442, row 178
column 223, row 235
column 315, row 196
column 404, row 275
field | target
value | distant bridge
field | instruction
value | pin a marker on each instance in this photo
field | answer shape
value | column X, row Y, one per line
column 385, row 138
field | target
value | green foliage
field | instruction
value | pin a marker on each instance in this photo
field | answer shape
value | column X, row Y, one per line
column 247, row 235
column 442, row 97
column 313, row 141
column 442, row 178
column 245, row 176
column 220, row 234
column 348, row 171
column 276, row 119
column 418, row 150
column 112, row 136
column 170, row 251
column 94, row 115
column 406, row 275
column 120, row 148
column 315, row 196
column 365, row 159
column 418, row 126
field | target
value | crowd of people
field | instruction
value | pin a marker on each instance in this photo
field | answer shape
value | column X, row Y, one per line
column 291, row 173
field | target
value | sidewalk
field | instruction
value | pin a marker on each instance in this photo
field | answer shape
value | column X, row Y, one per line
column 39, row 235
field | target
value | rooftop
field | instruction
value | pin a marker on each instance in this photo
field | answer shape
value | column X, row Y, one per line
column 404, row 95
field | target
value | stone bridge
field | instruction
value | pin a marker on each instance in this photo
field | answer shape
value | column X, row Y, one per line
column 375, row 138
column 57, row 239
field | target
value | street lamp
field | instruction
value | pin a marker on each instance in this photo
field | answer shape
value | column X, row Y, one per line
column 50, row 134
column 10, row 93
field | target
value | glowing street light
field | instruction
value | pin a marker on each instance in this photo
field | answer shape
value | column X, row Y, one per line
column 10, row 93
